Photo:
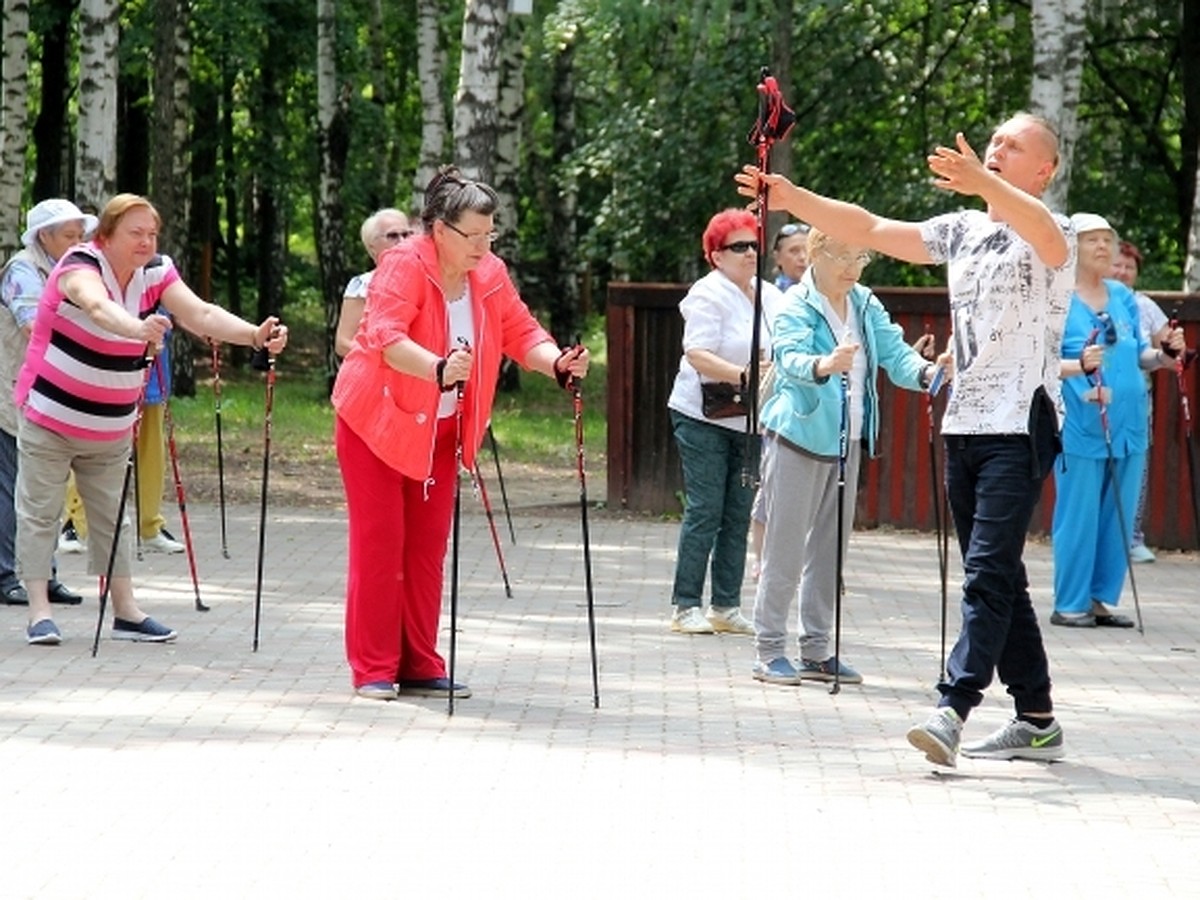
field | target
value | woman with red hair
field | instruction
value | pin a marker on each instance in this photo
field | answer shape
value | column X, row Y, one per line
column 718, row 331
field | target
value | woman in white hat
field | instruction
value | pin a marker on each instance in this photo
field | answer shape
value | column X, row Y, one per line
column 53, row 227
column 1104, row 436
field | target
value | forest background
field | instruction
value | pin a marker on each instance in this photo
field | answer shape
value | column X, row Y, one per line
column 266, row 130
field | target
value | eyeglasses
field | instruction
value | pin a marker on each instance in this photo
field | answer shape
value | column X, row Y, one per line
column 859, row 260
column 479, row 240
column 741, row 246
column 1110, row 328
column 399, row 235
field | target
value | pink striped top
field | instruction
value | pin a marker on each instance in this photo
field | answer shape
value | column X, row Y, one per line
column 79, row 380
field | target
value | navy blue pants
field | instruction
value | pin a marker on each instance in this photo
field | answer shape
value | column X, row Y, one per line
column 993, row 483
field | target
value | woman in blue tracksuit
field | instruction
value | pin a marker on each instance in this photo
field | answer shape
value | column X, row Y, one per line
column 1104, row 349
column 831, row 330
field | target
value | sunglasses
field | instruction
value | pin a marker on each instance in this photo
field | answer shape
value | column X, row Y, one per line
column 792, row 228
column 741, row 246
column 399, row 235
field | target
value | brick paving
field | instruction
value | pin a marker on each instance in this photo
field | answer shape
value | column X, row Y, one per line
column 203, row 769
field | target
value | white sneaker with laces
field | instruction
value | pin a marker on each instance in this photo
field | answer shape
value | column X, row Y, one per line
column 729, row 619
column 689, row 620
column 162, row 542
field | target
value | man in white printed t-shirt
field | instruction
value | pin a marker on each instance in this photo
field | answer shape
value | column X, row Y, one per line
column 1010, row 274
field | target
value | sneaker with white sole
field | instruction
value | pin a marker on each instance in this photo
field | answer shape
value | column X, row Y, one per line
column 689, row 620
column 729, row 620
column 1019, row 740
column 938, row 737
column 778, row 671
column 1140, row 553
column 145, row 631
column 163, row 542
column 43, row 631
column 69, row 540
column 812, row 670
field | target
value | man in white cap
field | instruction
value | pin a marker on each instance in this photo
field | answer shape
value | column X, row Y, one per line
column 53, row 227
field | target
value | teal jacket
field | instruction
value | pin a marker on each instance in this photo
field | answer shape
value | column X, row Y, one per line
column 806, row 410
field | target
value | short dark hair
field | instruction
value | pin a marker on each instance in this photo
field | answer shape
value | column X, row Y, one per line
column 1128, row 248
column 448, row 195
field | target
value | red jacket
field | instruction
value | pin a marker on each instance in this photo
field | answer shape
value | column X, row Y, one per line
column 396, row 414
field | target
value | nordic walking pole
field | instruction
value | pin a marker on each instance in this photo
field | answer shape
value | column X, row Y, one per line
column 179, row 494
column 775, row 119
column 839, row 585
column 269, row 357
column 454, row 539
column 106, row 582
column 577, row 402
column 477, row 479
column 500, row 477
column 1111, row 467
column 940, row 525
column 1181, row 362
column 216, row 366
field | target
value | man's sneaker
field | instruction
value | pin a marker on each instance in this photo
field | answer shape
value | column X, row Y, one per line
column 1140, row 553
column 43, row 631
column 145, row 630
column 938, row 737
column 1019, row 740
column 778, row 671
column 163, row 542
column 811, row 670
column 729, row 619
column 689, row 620
column 69, row 540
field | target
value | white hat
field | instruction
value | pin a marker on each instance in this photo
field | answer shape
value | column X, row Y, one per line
column 1085, row 222
column 49, row 213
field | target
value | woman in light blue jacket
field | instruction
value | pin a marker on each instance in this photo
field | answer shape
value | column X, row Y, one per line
column 830, row 340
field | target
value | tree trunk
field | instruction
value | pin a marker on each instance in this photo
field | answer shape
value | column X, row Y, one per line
column 231, row 188
column 1059, row 43
column 133, row 121
column 333, row 144
column 270, row 242
column 507, row 169
column 50, row 135
column 382, row 192
column 14, row 113
column 561, row 281
column 96, row 154
column 1189, row 45
column 431, row 62
column 479, row 88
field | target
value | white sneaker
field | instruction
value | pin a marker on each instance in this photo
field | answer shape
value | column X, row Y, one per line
column 162, row 542
column 689, row 620
column 729, row 619
column 69, row 540
column 1140, row 553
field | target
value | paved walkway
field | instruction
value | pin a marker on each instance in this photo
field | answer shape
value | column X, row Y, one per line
column 201, row 768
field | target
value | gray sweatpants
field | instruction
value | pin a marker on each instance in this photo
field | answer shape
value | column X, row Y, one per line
column 799, row 495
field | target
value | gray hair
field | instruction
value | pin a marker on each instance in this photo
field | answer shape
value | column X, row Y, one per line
column 449, row 195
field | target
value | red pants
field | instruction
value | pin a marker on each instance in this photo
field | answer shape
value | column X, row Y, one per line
column 398, row 530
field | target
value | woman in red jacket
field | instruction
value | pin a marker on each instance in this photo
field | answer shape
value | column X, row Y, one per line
column 440, row 310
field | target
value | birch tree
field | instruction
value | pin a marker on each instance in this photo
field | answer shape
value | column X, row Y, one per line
column 96, row 146
column 478, row 91
column 1059, row 43
column 169, row 150
column 506, row 173
column 333, row 141
column 431, row 63
column 14, row 114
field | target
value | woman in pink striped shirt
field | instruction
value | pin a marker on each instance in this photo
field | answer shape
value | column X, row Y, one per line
column 104, row 312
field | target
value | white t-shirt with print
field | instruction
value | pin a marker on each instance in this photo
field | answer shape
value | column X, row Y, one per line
column 1007, row 310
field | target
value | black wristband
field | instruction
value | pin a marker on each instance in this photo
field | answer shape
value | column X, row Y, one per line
column 563, row 375
column 1169, row 351
column 438, row 371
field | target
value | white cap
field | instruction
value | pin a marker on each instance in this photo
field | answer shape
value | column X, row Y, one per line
column 53, row 212
column 1085, row 222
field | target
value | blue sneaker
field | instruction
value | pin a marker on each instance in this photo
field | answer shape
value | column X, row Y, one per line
column 43, row 631
column 778, row 671
column 811, row 670
column 146, row 630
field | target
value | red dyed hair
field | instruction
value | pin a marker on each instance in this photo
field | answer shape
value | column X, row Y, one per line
column 722, row 225
column 1128, row 249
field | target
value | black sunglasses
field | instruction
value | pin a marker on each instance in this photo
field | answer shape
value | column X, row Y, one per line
column 1110, row 328
column 398, row 235
column 741, row 246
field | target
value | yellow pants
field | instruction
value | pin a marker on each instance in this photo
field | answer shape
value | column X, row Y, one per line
column 151, row 470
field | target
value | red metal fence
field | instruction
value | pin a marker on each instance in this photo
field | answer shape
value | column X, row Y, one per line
column 644, row 333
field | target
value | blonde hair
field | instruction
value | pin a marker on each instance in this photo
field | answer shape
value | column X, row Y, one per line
column 117, row 208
